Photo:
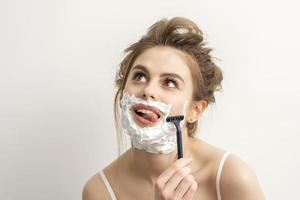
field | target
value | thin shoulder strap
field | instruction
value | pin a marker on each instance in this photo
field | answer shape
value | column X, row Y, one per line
column 220, row 167
column 108, row 187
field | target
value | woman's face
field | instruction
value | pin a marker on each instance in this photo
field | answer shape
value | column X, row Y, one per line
column 162, row 74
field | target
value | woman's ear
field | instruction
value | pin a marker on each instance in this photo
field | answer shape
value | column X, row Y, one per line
column 196, row 110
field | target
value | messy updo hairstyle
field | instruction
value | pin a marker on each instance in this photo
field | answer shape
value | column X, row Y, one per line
column 182, row 34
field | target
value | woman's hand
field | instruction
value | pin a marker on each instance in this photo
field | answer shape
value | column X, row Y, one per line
column 176, row 182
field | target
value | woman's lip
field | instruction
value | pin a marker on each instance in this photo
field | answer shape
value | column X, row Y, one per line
column 144, row 122
column 141, row 120
column 151, row 108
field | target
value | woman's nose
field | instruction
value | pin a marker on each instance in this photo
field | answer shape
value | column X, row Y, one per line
column 150, row 91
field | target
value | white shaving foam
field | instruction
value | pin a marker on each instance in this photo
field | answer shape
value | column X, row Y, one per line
column 158, row 139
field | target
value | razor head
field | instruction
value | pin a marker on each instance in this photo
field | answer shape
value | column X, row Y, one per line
column 175, row 118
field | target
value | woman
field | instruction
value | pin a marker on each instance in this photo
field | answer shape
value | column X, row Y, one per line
column 169, row 72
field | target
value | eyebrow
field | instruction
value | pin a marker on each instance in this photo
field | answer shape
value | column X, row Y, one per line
column 141, row 67
column 174, row 75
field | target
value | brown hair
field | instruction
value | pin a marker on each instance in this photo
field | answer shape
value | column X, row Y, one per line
column 183, row 34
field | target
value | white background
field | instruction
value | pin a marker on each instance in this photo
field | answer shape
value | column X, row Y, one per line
column 57, row 63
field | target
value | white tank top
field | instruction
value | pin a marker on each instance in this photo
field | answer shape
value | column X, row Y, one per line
column 218, row 177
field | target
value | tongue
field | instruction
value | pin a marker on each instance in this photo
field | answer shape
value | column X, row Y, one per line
column 150, row 116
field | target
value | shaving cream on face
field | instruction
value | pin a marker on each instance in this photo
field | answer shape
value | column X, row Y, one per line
column 158, row 139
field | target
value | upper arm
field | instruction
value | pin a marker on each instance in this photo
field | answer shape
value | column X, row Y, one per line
column 239, row 181
column 94, row 189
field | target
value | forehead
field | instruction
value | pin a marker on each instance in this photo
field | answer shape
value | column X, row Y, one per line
column 164, row 60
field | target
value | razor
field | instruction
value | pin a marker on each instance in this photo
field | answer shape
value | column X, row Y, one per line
column 176, row 121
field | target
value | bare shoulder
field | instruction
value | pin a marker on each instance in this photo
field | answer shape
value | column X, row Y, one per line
column 239, row 181
column 94, row 189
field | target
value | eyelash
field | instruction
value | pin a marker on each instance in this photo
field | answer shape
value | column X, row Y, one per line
column 138, row 75
column 168, row 80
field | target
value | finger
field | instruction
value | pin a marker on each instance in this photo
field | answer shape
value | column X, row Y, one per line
column 175, row 180
column 191, row 192
column 180, row 163
column 184, row 186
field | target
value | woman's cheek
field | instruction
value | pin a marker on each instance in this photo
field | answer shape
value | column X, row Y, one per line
column 130, row 89
column 179, row 108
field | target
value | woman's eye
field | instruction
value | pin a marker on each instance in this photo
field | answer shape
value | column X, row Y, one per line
column 171, row 83
column 139, row 76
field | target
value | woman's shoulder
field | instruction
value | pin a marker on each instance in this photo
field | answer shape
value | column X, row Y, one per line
column 236, row 175
column 95, row 189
